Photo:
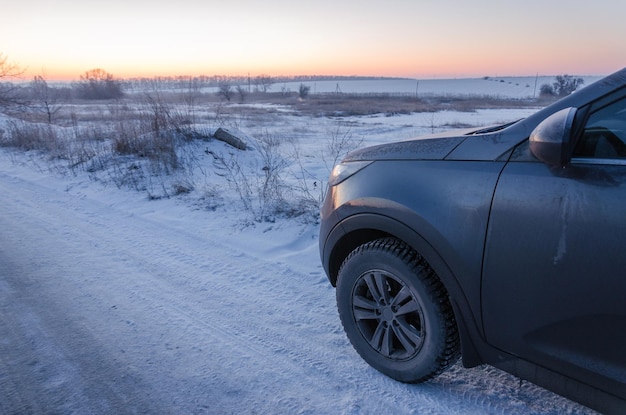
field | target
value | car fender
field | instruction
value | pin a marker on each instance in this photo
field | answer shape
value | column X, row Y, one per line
column 361, row 227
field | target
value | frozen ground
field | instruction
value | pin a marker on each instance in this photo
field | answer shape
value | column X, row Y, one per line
column 111, row 303
column 504, row 87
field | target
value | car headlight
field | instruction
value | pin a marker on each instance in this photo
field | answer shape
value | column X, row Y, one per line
column 344, row 170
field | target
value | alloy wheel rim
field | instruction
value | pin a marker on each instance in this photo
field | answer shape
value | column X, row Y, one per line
column 388, row 315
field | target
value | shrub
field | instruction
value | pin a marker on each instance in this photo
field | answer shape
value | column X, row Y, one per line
column 258, row 182
column 30, row 136
column 303, row 91
column 546, row 90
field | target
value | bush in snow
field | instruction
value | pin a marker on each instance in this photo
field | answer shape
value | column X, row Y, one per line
column 562, row 86
column 256, row 177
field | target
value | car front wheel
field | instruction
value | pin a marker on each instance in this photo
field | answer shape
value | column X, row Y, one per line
column 396, row 312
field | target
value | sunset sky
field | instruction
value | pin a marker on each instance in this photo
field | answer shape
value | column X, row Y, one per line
column 62, row 39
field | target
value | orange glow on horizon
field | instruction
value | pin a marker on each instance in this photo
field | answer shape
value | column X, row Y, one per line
column 401, row 67
column 426, row 40
column 388, row 67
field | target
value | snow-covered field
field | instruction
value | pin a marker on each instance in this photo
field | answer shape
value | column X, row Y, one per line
column 111, row 303
column 521, row 87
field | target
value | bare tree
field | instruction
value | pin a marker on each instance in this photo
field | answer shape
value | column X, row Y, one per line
column 566, row 84
column 225, row 91
column 46, row 99
column 242, row 92
column 98, row 84
column 263, row 82
column 191, row 97
column 8, row 70
column 562, row 86
column 8, row 91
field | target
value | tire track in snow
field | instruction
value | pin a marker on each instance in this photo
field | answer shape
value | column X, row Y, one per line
column 166, row 273
column 235, row 288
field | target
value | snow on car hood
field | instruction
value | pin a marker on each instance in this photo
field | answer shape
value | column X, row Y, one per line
column 423, row 148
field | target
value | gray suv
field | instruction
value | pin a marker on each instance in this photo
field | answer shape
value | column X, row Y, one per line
column 505, row 246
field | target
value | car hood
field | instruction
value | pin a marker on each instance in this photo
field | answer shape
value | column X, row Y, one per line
column 432, row 147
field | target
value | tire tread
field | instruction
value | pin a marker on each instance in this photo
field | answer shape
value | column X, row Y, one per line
column 422, row 270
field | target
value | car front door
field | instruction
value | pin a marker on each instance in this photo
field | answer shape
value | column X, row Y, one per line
column 554, row 272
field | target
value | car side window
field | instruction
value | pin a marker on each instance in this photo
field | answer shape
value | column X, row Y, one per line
column 604, row 134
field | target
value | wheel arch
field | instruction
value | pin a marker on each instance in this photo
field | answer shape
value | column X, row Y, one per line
column 358, row 229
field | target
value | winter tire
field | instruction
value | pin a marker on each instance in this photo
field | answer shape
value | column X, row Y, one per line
column 396, row 312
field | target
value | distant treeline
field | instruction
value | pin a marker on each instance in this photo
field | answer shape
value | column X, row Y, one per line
column 260, row 81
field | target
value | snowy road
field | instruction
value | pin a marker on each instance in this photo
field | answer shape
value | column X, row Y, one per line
column 108, row 311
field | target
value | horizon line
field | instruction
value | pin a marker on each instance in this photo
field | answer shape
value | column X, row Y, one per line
column 318, row 77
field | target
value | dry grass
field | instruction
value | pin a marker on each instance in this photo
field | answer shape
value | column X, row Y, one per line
column 342, row 105
column 367, row 104
column 148, row 141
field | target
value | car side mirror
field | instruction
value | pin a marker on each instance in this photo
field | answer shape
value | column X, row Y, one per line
column 551, row 140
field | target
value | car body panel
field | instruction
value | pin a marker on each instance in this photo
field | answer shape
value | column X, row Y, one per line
column 453, row 200
column 548, row 254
